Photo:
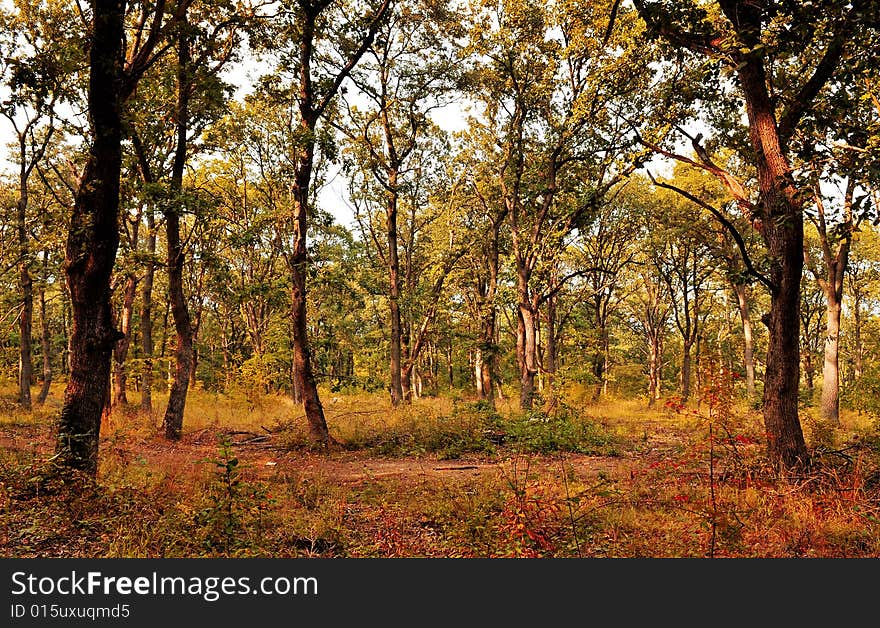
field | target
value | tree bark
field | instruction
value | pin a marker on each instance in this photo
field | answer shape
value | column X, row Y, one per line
column 147, row 317
column 832, row 283
column 783, row 230
column 551, row 350
column 298, row 262
column 394, row 290
column 26, row 285
column 305, row 379
column 92, row 241
column 183, row 348
column 527, row 350
column 857, row 339
column 830, row 408
column 686, row 371
column 120, row 351
column 601, row 357
column 809, row 371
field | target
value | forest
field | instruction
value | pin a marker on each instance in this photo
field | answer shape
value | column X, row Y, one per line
column 440, row 278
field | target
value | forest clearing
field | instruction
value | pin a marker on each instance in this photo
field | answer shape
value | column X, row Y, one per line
column 459, row 278
column 441, row 478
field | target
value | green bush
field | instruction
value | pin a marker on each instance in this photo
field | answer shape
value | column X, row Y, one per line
column 564, row 429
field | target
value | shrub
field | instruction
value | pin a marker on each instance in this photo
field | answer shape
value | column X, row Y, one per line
column 564, row 429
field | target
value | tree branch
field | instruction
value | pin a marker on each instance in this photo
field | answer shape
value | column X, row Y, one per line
column 741, row 245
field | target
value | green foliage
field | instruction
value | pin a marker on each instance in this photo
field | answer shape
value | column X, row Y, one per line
column 562, row 429
column 469, row 428
column 235, row 507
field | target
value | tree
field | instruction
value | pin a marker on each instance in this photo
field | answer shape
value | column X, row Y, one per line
column 547, row 78
column 404, row 77
column 605, row 248
column 835, row 248
column 649, row 309
column 322, row 48
column 93, row 236
column 40, row 56
column 190, row 92
column 204, row 46
column 782, row 55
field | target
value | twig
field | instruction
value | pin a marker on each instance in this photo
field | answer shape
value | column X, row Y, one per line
column 458, row 468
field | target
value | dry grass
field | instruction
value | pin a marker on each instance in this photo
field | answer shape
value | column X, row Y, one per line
column 423, row 480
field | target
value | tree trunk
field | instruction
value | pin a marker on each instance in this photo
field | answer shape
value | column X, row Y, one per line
column 120, row 351
column 748, row 340
column 527, row 353
column 478, row 373
column 305, row 379
column 655, row 359
column 26, row 285
column 394, row 293
column 298, row 263
column 183, row 349
column 450, row 370
column 147, row 317
column 551, row 350
column 857, row 339
column 488, row 349
column 600, row 358
column 66, row 325
column 686, row 372
column 809, row 371
column 830, row 409
column 832, row 285
column 783, row 230
column 45, row 338
column 92, row 242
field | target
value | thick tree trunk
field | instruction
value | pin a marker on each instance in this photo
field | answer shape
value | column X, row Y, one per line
column 783, row 230
column 748, row 339
column 686, row 373
column 183, row 348
column 66, row 325
column 786, row 443
column 92, row 241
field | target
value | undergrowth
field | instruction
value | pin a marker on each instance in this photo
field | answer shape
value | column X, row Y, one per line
column 605, row 480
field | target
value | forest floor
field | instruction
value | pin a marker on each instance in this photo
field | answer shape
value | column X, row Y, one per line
column 443, row 477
